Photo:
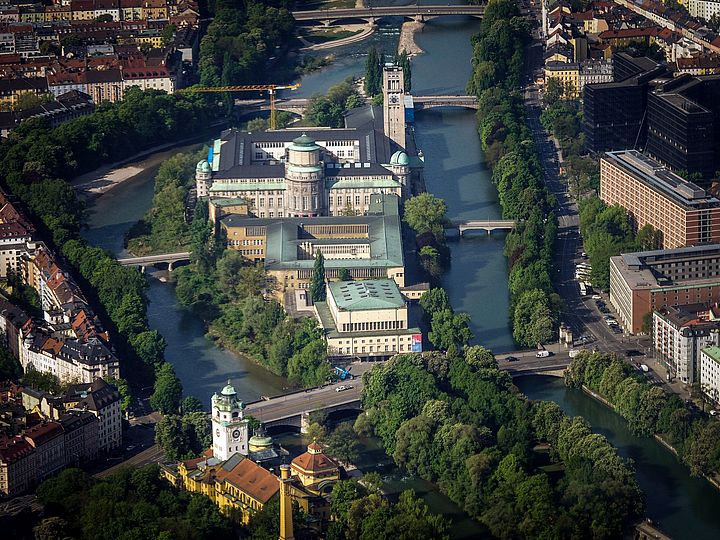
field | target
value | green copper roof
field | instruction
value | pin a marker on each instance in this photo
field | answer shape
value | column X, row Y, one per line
column 366, row 295
column 305, row 168
column 203, row 166
column 256, row 440
column 713, row 352
column 399, row 158
column 304, row 144
column 229, row 390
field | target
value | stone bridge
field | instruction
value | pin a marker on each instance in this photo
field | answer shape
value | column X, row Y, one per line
column 488, row 225
column 151, row 260
column 374, row 14
column 432, row 102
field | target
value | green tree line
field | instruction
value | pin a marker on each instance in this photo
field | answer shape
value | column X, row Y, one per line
column 164, row 228
column 507, row 142
column 649, row 410
column 233, row 297
column 606, row 232
column 458, row 421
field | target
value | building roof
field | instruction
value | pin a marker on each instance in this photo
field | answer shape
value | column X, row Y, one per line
column 366, row 294
column 14, row 449
column 314, row 460
column 248, row 477
column 660, row 179
column 713, row 353
column 43, row 433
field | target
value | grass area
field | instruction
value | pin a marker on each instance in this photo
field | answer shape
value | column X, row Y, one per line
column 324, row 36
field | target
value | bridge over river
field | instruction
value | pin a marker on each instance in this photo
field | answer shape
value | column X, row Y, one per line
column 374, row 14
column 151, row 260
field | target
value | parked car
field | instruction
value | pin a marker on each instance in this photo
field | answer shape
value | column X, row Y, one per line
column 341, row 388
column 511, row 359
column 596, row 297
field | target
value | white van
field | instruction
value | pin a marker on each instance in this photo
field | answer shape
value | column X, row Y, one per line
column 542, row 354
column 573, row 353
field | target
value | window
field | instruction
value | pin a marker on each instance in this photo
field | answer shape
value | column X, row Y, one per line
column 270, row 202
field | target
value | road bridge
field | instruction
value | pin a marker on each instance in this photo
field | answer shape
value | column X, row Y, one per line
column 374, row 14
column 294, row 409
column 299, row 105
column 431, row 102
column 151, row 260
column 488, row 225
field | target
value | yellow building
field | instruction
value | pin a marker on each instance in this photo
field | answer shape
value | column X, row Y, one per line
column 12, row 89
column 238, row 486
column 567, row 74
column 154, row 9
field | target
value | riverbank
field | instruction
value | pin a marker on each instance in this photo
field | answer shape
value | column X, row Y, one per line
column 98, row 182
column 362, row 32
column 657, row 436
column 407, row 38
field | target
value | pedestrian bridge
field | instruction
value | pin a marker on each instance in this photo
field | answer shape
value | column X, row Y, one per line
column 488, row 225
column 151, row 260
column 374, row 14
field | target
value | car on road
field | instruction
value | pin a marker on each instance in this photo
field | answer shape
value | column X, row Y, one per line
column 343, row 387
column 603, row 309
column 543, row 354
column 511, row 359
column 634, row 352
column 616, row 330
column 130, row 447
column 596, row 297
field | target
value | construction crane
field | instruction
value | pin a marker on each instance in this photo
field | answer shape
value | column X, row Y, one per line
column 271, row 89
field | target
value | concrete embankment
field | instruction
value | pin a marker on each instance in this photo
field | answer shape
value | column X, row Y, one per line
column 407, row 38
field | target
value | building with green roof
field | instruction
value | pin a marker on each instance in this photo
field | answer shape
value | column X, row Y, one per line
column 368, row 246
column 710, row 373
column 366, row 319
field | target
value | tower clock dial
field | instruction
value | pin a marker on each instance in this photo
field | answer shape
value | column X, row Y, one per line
column 217, row 432
column 394, row 98
column 236, row 434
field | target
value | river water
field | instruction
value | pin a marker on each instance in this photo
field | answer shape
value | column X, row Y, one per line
column 476, row 281
column 683, row 507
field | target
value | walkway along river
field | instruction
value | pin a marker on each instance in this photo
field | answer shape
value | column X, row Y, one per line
column 477, row 281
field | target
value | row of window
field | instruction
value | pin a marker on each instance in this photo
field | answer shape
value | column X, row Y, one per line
column 372, row 325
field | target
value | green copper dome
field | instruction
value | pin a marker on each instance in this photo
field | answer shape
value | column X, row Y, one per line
column 203, row 166
column 399, row 158
column 229, row 390
column 304, row 144
column 259, row 441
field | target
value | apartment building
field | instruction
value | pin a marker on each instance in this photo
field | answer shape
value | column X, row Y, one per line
column 643, row 282
column 710, row 372
column 679, row 333
column 684, row 213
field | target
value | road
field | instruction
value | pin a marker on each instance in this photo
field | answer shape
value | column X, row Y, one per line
column 308, row 400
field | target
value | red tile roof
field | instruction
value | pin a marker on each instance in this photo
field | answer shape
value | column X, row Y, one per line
column 252, row 479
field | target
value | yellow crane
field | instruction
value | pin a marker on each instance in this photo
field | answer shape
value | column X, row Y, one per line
column 271, row 89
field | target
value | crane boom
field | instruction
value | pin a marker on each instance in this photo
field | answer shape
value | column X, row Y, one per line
column 271, row 89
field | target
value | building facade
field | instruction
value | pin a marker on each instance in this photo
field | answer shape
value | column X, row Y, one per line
column 229, row 427
column 679, row 333
column 684, row 213
column 368, row 246
column 651, row 280
column 366, row 319
column 710, row 373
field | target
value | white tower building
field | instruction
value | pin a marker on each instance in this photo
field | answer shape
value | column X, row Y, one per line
column 203, row 178
column 230, row 428
column 394, row 104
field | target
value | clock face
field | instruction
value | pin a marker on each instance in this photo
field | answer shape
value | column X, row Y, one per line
column 217, row 432
column 394, row 98
column 236, row 434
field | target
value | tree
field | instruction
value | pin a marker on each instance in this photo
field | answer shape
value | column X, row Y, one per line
column 167, row 391
column 123, row 387
column 426, row 213
column 149, row 347
column 10, row 368
column 433, row 300
column 449, row 329
column 430, row 261
column 403, row 60
column 191, row 404
column 532, row 319
column 343, row 444
column 317, row 284
column 373, row 73
column 41, row 381
column 344, row 275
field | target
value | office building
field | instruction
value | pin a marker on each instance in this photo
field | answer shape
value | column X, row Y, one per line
column 679, row 333
column 643, row 282
column 684, row 213
column 366, row 319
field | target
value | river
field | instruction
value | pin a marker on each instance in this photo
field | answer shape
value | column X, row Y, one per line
column 476, row 281
column 683, row 507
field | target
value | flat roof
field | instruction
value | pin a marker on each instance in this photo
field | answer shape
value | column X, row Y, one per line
column 713, row 353
column 660, row 179
column 366, row 295
column 331, row 331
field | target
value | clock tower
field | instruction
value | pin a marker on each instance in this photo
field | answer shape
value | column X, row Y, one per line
column 394, row 104
column 229, row 427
